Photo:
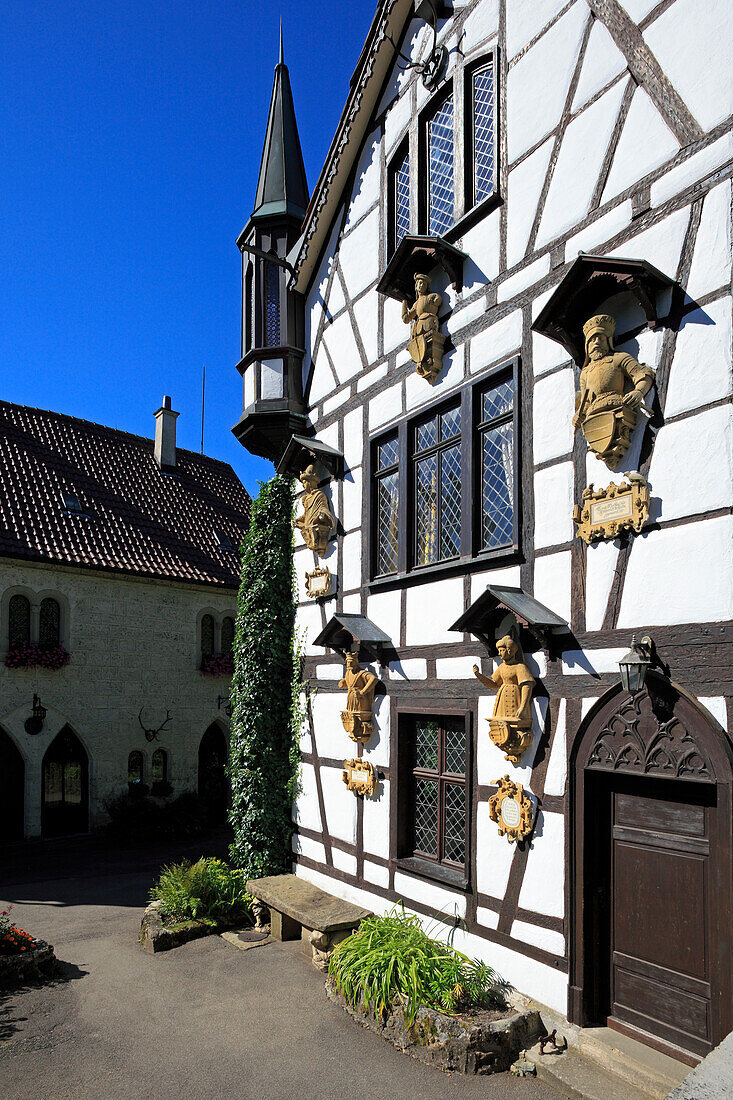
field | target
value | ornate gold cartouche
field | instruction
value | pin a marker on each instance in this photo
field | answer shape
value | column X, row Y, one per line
column 426, row 339
column 510, row 726
column 606, row 408
column 359, row 684
column 317, row 521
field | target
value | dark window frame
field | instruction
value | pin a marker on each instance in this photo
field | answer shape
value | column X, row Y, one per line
column 380, row 475
column 43, row 622
column 19, row 599
column 471, row 555
column 428, row 113
column 395, row 163
column 403, row 853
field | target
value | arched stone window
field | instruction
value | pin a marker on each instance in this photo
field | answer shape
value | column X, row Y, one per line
column 19, row 621
column 49, row 623
column 207, row 636
column 135, row 763
column 159, row 772
column 227, row 635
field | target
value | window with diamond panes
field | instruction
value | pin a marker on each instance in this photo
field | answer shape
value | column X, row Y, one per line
column 482, row 131
column 227, row 634
column 439, row 789
column 49, row 623
column 19, row 621
column 437, row 487
column 496, row 456
column 401, row 198
column 272, row 306
column 441, row 197
column 387, row 505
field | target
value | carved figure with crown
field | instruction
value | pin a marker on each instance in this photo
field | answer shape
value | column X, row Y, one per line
column 613, row 386
column 426, row 340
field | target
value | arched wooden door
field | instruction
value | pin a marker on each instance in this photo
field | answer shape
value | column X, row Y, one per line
column 213, row 786
column 12, row 788
column 651, row 870
column 65, row 786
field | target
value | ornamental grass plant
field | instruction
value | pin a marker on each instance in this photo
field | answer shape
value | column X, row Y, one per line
column 391, row 962
column 208, row 890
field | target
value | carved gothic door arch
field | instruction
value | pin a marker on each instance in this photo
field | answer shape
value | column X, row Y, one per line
column 651, row 869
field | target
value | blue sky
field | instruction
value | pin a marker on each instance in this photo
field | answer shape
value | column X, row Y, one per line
column 130, row 140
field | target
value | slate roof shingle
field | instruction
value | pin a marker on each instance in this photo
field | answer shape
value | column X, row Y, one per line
column 134, row 518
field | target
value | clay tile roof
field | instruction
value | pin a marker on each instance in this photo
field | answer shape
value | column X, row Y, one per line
column 133, row 518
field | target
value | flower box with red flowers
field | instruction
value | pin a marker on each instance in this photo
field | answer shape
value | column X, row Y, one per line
column 32, row 655
column 218, row 664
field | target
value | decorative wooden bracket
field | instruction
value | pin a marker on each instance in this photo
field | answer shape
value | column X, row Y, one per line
column 421, row 254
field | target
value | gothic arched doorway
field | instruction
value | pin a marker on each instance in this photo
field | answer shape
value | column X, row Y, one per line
column 651, row 890
column 214, row 788
column 12, row 788
column 65, row 787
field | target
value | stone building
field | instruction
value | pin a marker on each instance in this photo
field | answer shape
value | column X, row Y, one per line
column 561, row 174
column 119, row 583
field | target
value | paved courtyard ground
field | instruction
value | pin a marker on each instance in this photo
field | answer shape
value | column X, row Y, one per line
column 199, row 1022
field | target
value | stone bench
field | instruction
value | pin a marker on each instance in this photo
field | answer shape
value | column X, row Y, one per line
column 300, row 910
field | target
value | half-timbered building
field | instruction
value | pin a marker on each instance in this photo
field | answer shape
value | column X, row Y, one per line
column 560, row 172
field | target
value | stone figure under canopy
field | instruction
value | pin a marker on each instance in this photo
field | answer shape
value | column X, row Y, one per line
column 426, row 339
column 317, row 521
column 360, row 684
column 606, row 408
column 510, row 726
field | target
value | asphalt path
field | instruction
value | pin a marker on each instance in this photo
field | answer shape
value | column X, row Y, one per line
column 203, row 1021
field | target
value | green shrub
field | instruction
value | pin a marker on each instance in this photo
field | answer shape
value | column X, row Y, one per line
column 207, row 889
column 390, row 961
column 264, row 759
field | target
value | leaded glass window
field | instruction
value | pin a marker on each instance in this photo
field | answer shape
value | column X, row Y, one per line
column 19, row 621
column 482, row 106
column 207, row 636
column 272, row 306
column 440, row 169
column 227, row 635
column 135, row 769
column 49, row 623
column 159, row 768
column 387, row 505
column 439, row 793
column 496, row 435
column 437, row 481
column 402, row 199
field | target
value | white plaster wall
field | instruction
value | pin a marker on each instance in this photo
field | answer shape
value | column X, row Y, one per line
column 717, row 708
column 343, row 861
column 352, row 486
column 532, row 273
column 602, row 62
column 675, row 594
column 600, row 569
column 331, row 739
column 480, row 25
column 366, row 185
column 351, row 561
column 553, row 505
column 557, row 768
column 701, row 368
column 310, row 624
column 525, row 21
column 523, row 193
column 711, row 262
column 546, row 354
column 692, row 169
column 339, row 804
column 537, row 85
column 431, row 609
column 481, row 243
column 378, row 746
column 552, row 583
column 494, row 855
column 497, row 342
column 544, row 938
column 383, row 608
column 543, row 887
column 491, row 763
column 376, row 874
column 385, row 406
column 646, row 142
column 599, row 231
column 440, row 900
column 152, row 663
column 509, row 575
column 582, row 150
column 312, row 849
column 553, row 410
column 376, row 821
column 359, row 254
column 584, row 662
column 353, row 438
column 487, row 917
column 661, row 244
column 366, row 313
column 409, row 668
column 701, row 70
column 339, row 339
column 709, row 437
column 456, row 668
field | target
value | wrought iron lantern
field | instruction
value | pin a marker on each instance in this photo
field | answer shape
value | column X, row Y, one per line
column 225, row 702
column 34, row 724
column 634, row 664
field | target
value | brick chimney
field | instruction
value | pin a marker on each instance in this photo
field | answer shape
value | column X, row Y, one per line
column 165, row 436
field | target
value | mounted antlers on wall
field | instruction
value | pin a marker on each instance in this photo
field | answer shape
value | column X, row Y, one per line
column 151, row 734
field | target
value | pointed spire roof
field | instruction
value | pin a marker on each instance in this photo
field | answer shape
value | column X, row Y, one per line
column 282, row 187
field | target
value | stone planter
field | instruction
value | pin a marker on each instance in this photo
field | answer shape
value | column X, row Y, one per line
column 34, row 965
column 486, row 1041
column 156, row 936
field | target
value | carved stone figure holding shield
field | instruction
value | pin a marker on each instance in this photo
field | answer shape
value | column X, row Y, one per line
column 604, row 411
column 360, row 684
column 510, row 726
column 426, row 339
column 317, row 521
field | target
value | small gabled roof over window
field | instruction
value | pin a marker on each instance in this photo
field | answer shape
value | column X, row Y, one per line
column 486, row 614
column 301, row 451
column 343, row 631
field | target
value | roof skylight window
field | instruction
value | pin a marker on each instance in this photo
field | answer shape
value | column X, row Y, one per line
column 225, row 542
column 72, row 503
